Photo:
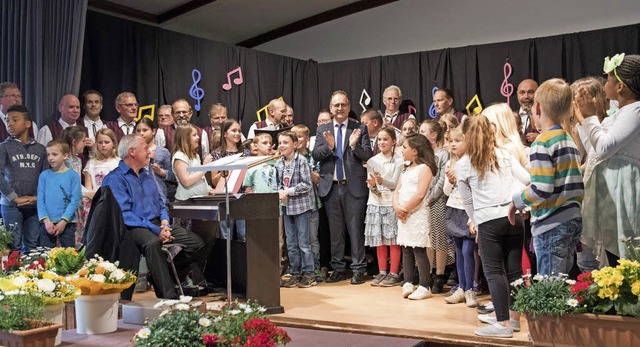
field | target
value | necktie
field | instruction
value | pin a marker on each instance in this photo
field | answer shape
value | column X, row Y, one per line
column 339, row 166
column 94, row 130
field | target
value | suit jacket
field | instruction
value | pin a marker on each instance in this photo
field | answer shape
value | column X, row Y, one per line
column 353, row 159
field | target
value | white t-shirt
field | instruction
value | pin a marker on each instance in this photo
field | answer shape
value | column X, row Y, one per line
column 99, row 170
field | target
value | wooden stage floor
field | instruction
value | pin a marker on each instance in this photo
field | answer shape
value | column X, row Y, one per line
column 382, row 311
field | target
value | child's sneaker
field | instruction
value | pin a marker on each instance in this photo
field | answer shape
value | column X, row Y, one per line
column 485, row 318
column 307, row 281
column 420, row 293
column 292, row 282
column 456, row 297
column 391, row 280
column 495, row 330
column 319, row 277
column 470, row 298
column 407, row 289
column 378, row 278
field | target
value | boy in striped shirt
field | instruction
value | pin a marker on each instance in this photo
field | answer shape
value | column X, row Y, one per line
column 556, row 190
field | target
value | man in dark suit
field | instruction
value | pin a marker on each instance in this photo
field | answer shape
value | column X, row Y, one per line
column 342, row 147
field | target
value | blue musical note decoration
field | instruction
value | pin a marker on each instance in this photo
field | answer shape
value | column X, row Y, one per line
column 196, row 92
column 432, row 108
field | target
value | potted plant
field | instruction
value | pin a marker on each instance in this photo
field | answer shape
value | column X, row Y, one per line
column 51, row 288
column 21, row 321
column 596, row 310
column 235, row 325
column 6, row 240
column 101, row 283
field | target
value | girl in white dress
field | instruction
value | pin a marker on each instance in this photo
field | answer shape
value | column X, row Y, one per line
column 413, row 214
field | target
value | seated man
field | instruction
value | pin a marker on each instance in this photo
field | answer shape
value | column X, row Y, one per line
column 146, row 217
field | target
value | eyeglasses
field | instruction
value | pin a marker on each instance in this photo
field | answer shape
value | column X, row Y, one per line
column 15, row 96
column 130, row 105
column 340, row 105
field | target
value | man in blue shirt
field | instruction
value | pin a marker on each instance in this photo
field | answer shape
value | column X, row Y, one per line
column 146, row 217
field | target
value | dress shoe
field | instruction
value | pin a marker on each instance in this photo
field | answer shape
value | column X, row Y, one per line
column 336, row 276
column 358, row 278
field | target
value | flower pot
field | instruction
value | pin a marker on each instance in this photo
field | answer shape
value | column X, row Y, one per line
column 54, row 313
column 44, row 335
column 584, row 330
column 97, row 314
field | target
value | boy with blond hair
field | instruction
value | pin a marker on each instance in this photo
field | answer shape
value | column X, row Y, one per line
column 556, row 190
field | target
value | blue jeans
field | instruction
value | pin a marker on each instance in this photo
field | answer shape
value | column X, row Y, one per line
column 314, row 222
column 555, row 248
column 67, row 238
column 25, row 226
column 240, row 227
column 465, row 262
column 297, row 232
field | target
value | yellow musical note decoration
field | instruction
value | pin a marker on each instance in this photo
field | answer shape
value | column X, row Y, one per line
column 477, row 109
column 144, row 108
column 265, row 111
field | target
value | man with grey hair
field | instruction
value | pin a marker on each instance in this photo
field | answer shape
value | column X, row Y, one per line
column 10, row 95
column 275, row 113
column 69, row 108
column 127, row 107
column 146, row 218
column 392, row 98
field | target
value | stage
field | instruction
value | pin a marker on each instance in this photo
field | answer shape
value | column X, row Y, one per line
column 382, row 311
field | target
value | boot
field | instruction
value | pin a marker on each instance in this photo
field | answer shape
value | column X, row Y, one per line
column 453, row 278
column 438, row 284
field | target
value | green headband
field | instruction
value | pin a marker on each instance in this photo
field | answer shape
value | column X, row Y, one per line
column 610, row 64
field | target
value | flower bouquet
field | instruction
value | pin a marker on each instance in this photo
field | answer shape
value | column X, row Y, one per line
column 99, row 276
column 65, row 261
column 53, row 289
column 236, row 325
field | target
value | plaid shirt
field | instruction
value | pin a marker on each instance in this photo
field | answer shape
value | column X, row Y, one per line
column 316, row 203
column 299, row 187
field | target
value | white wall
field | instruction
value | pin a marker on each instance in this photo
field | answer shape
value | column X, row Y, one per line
column 421, row 25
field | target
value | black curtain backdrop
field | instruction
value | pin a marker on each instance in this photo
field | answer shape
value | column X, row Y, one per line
column 156, row 65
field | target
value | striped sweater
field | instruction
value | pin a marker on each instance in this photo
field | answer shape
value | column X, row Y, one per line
column 556, row 190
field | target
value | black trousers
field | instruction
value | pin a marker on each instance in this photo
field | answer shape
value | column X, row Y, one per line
column 500, row 245
column 150, row 246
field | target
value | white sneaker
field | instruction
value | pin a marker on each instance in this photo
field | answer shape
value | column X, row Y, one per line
column 485, row 318
column 494, row 330
column 407, row 289
column 470, row 298
column 456, row 297
column 420, row 293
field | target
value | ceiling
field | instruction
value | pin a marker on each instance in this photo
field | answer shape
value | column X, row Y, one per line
column 246, row 23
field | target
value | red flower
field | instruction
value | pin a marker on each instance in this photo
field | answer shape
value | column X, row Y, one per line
column 260, row 339
column 37, row 264
column 210, row 340
column 584, row 277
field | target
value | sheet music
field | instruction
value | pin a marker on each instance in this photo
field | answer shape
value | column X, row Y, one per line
column 231, row 162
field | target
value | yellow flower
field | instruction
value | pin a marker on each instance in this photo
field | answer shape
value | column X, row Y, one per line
column 608, row 292
column 49, row 276
column 635, row 288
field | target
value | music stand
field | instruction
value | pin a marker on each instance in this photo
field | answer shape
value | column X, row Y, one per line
column 229, row 163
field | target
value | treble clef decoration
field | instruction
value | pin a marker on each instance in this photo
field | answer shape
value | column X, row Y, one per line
column 506, row 89
column 432, row 108
column 196, row 92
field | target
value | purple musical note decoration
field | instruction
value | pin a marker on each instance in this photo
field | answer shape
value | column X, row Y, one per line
column 237, row 81
column 432, row 108
column 196, row 92
column 506, row 89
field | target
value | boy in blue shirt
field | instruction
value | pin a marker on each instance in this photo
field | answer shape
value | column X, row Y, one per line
column 22, row 159
column 59, row 195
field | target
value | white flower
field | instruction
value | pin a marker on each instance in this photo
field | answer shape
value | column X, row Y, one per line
column 537, row 277
column 159, row 304
column 1, row 297
column 572, row 302
column 181, row 307
column 164, row 312
column 143, row 333
column 196, row 303
column 46, row 285
column 217, row 319
column 262, row 309
column 205, row 322
column 97, row 278
column 570, row 282
column 611, row 63
column 234, row 312
column 185, row 298
column 170, row 302
column 517, row 282
column 248, row 309
column 117, row 275
column 20, row 281
column 109, row 266
column 241, row 305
